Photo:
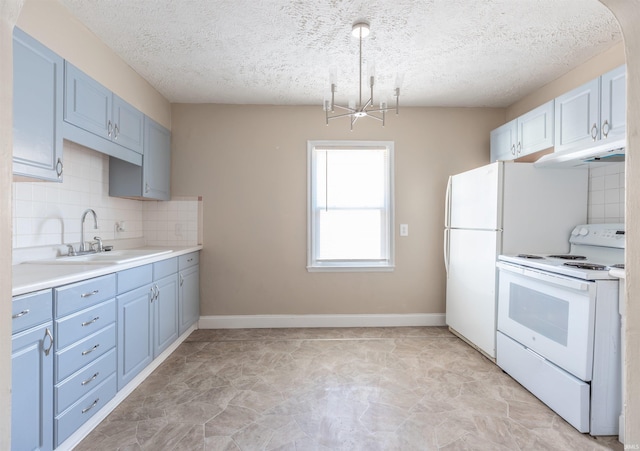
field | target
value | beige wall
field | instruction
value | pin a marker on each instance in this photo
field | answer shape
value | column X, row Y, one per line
column 628, row 14
column 50, row 23
column 249, row 164
column 591, row 69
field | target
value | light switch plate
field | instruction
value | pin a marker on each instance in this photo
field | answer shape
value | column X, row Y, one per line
column 404, row 229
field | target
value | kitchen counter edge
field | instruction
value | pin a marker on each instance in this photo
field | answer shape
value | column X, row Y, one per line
column 28, row 277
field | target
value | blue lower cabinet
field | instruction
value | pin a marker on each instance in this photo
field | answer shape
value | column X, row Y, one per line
column 74, row 357
column 83, row 409
column 31, row 395
column 82, row 382
column 165, row 312
column 84, row 374
column 135, row 339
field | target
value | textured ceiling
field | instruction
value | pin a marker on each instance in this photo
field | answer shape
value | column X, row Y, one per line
column 444, row 52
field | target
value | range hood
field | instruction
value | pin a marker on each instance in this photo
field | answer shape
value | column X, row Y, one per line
column 604, row 152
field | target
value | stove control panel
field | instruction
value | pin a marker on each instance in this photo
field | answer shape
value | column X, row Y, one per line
column 607, row 235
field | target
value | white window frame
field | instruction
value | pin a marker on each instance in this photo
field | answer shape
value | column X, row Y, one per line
column 313, row 264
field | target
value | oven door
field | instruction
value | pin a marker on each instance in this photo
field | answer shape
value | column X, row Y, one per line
column 552, row 315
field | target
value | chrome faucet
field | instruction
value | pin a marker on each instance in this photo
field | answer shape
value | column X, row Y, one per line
column 95, row 226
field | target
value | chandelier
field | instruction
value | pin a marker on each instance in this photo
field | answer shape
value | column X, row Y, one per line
column 355, row 111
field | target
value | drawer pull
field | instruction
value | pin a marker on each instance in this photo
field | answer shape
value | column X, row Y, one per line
column 89, row 351
column 87, row 323
column 91, row 379
column 86, row 295
column 95, row 403
column 21, row 314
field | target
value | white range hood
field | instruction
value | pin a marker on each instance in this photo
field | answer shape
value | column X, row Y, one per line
column 608, row 151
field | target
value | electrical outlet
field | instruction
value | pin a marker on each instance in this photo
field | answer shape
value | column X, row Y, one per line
column 120, row 226
column 404, row 229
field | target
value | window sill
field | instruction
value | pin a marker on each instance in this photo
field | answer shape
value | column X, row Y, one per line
column 350, row 268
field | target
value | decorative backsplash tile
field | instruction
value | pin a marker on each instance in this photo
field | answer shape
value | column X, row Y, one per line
column 48, row 213
column 606, row 193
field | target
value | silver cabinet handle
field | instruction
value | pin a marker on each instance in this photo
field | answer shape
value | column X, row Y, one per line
column 605, row 128
column 190, row 259
column 181, row 279
column 47, row 333
column 87, row 323
column 21, row 314
column 89, row 351
column 109, row 128
column 95, row 403
column 59, row 168
column 513, row 149
column 86, row 295
column 157, row 291
column 146, row 188
column 91, row 379
column 519, row 147
column 116, row 131
column 594, row 132
column 154, row 293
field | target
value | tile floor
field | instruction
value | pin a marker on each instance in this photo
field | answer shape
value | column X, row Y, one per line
column 333, row 389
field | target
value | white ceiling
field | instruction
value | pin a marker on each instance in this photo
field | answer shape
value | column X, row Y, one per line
column 446, row 52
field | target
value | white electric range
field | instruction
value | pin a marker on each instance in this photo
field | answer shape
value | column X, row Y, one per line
column 559, row 326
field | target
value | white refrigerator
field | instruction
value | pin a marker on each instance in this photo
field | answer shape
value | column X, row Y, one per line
column 502, row 208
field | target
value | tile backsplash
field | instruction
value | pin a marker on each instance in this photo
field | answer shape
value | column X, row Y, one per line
column 606, row 193
column 48, row 213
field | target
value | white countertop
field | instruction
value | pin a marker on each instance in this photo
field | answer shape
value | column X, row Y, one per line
column 618, row 273
column 29, row 277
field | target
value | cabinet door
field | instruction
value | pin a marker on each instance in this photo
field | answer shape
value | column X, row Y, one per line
column 87, row 104
column 535, row 130
column 165, row 312
column 189, row 280
column 503, row 141
column 613, row 104
column 156, row 161
column 37, row 109
column 32, row 389
column 128, row 125
column 577, row 117
column 135, row 345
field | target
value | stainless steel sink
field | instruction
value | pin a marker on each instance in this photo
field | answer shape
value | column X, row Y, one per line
column 104, row 258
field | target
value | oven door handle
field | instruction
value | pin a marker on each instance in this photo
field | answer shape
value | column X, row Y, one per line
column 552, row 279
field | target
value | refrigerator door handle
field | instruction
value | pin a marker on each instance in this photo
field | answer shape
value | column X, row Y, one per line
column 446, row 251
column 447, row 204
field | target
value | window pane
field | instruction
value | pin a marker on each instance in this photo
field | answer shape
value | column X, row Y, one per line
column 351, row 178
column 350, row 235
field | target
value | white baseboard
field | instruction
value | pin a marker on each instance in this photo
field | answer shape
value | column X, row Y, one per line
column 285, row 321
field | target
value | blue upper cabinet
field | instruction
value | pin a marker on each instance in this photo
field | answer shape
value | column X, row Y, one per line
column 37, row 109
column 152, row 180
column 128, row 125
column 90, row 107
column 156, row 165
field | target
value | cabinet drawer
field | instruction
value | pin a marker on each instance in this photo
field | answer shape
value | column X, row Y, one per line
column 135, row 277
column 84, row 381
column 78, row 296
column 67, row 423
column 30, row 310
column 165, row 268
column 85, row 322
column 71, row 359
column 188, row 260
